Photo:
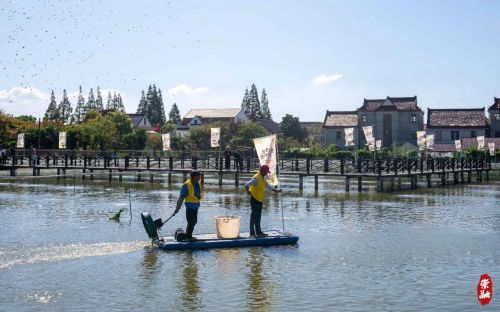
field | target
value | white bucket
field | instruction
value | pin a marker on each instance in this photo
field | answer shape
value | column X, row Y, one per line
column 228, row 226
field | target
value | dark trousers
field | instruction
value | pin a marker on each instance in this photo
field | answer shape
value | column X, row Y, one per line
column 192, row 218
column 255, row 216
column 227, row 163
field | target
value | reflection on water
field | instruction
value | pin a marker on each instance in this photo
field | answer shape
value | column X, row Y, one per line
column 260, row 287
column 191, row 286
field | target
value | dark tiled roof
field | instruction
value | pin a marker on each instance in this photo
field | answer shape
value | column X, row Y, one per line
column 269, row 125
column 443, row 147
column 136, row 118
column 340, row 119
column 456, row 118
column 472, row 142
column 393, row 103
column 496, row 104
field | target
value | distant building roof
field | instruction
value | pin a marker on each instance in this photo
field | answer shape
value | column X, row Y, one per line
column 496, row 104
column 391, row 103
column 456, row 118
column 472, row 142
column 136, row 118
column 443, row 147
column 213, row 113
column 271, row 126
column 340, row 119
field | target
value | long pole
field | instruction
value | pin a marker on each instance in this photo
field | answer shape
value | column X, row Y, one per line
column 39, row 121
column 281, row 195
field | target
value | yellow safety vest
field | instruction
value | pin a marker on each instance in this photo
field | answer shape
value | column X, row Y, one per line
column 190, row 198
column 258, row 190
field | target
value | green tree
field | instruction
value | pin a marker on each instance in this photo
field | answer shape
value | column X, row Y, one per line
column 161, row 108
column 109, row 104
column 98, row 101
column 101, row 132
column 52, row 113
column 141, row 109
column 90, row 102
column 290, row 127
column 265, row 112
column 254, row 103
column 92, row 114
column 29, row 118
column 123, row 126
column 65, row 109
column 79, row 113
column 174, row 116
column 245, row 103
column 247, row 132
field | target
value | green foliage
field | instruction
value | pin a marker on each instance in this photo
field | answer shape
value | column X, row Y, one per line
column 153, row 142
column 91, row 114
column 27, row 118
column 265, row 112
column 291, row 128
column 152, row 106
column 100, row 132
column 65, row 110
column 174, row 116
column 52, row 113
column 167, row 128
column 247, row 132
column 49, row 137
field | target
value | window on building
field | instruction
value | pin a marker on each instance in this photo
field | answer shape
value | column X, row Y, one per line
column 363, row 118
column 339, row 135
column 473, row 134
column 455, row 135
column 497, row 134
column 497, row 116
column 438, row 135
column 413, row 118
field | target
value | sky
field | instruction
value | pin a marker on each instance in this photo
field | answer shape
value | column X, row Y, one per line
column 310, row 56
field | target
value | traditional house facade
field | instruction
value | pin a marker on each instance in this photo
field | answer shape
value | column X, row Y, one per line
column 395, row 121
column 334, row 125
column 198, row 117
column 448, row 125
column 494, row 115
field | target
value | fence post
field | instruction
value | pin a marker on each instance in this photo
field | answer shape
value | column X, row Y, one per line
column 147, row 162
column 248, row 164
column 126, row 162
column 379, row 167
column 359, row 165
column 342, row 165
column 194, row 162
column 308, row 164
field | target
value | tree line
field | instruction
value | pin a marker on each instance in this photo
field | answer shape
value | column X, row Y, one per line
column 63, row 112
column 254, row 108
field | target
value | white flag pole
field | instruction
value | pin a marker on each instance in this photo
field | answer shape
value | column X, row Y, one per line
column 279, row 179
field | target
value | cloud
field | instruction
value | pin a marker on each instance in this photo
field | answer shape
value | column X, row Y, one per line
column 185, row 89
column 24, row 101
column 324, row 79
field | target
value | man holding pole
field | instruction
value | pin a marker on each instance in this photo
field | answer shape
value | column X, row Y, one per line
column 256, row 188
column 191, row 194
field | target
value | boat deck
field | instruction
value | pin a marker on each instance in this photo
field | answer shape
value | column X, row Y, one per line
column 209, row 241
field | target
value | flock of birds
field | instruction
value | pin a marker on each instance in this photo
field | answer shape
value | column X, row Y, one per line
column 44, row 40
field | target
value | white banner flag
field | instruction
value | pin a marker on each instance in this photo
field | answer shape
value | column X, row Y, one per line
column 370, row 140
column 458, row 145
column 429, row 141
column 165, row 138
column 491, row 147
column 421, row 140
column 349, row 136
column 20, row 140
column 215, row 137
column 267, row 152
column 378, row 144
column 62, row 139
column 480, row 142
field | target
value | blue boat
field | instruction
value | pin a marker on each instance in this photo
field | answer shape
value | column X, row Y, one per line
column 210, row 241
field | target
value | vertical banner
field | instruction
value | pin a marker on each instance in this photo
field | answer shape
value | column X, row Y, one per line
column 62, row 140
column 421, row 140
column 370, row 140
column 214, row 137
column 458, row 145
column 491, row 147
column 480, row 142
column 349, row 136
column 378, row 145
column 429, row 141
column 20, row 140
column 165, row 138
column 267, row 153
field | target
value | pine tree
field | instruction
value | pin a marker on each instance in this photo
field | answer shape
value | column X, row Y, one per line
column 119, row 104
column 98, row 102
column 79, row 113
column 65, row 109
column 254, row 104
column 90, row 102
column 265, row 112
column 174, row 116
column 110, row 101
column 52, row 113
column 161, row 113
column 114, row 102
column 245, row 102
column 141, row 109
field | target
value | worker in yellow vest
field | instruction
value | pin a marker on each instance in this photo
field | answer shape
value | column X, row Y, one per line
column 191, row 194
column 256, row 188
